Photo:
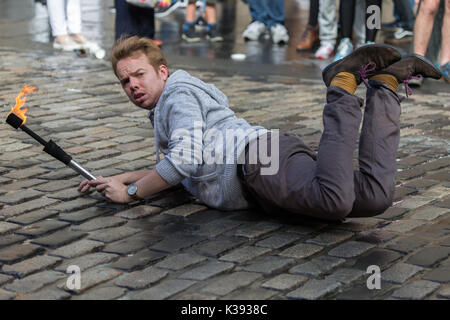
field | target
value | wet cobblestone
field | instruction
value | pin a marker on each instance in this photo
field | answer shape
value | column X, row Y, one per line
column 172, row 247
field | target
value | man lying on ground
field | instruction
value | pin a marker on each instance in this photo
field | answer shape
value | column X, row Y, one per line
column 197, row 132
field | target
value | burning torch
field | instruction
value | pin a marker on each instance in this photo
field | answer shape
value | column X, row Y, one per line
column 17, row 118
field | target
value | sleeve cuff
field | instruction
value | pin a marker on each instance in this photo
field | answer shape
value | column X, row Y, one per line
column 168, row 172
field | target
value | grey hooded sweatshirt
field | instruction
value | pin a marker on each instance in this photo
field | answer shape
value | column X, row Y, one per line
column 202, row 140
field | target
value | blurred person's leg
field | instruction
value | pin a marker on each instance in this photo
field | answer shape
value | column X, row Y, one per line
column 57, row 16
column 257, row 27
column 406, row 13
column 74, row 16
column 274, row 12
column 189, row 34
column 347, row 17
column 359, row 25
column 424, row 25
column 327, row 29
column 211, row 19
column 371, row 33
column 444, row 62
column 58, row 23
column 311, row 34
column 257, row 10
column 445, row 47
column 275, row 20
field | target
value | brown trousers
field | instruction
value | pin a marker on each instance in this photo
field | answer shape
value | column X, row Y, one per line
column 326, row 186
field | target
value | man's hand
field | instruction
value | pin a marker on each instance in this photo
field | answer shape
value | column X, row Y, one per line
column 115, row 188
column 111, row 188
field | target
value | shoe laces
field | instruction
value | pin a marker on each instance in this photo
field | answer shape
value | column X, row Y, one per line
column 408, row 89
column 365, row 71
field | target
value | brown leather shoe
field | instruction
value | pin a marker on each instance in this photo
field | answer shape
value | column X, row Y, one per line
column 309, row 37
column 412, row 65
column 363, row 62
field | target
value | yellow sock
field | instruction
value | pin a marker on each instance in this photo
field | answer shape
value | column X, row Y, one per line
column 389, row 79
column 345, row 80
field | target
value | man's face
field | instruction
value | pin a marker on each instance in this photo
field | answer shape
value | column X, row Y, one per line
column 142, row 84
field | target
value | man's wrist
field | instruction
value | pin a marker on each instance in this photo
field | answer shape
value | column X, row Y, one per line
column 132, row 191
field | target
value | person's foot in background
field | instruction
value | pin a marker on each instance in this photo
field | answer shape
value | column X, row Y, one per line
column 309, row 38
column 325, row 51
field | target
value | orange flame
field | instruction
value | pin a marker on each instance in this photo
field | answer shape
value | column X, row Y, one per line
column 20, row 101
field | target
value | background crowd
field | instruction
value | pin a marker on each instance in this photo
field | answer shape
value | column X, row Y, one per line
column 334, row 28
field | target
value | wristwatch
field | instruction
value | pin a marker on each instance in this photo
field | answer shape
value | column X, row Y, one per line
column 132, row 191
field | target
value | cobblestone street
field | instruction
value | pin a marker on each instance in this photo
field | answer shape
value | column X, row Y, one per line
column 173, row 247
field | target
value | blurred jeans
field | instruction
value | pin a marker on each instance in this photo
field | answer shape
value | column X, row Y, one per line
column 133, row 21
column 269, row 12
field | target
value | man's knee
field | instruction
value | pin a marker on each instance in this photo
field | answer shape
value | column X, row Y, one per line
column 378, row 205
column 429, row 7
column 337, row 208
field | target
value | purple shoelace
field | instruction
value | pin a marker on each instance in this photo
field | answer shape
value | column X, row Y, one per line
column 408, row 90
column 365, row 71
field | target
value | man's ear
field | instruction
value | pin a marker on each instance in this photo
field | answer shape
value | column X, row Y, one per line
column 163, row 72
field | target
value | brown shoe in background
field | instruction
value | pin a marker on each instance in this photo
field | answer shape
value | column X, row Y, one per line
column 309, row 37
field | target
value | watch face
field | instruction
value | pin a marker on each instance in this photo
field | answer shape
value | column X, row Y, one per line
column 132, row 188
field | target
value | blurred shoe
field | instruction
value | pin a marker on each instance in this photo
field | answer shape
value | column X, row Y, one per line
column 378, row 56
column 344, row 49
column 325, row 51
column 66, row 44
column 391, row 26
column 189, row 33
column 309, row 37
column 253, row 31
column 279, row 34
column 213, row 34
column 400, row 36
column 92, row 47
column 163, row 12
column 445, row 69
column 412, row 67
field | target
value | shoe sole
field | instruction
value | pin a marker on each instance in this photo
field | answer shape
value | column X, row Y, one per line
column 438, row 73
column 215, row 39
column 398, row 41
column 190, row 40
column 327, row 80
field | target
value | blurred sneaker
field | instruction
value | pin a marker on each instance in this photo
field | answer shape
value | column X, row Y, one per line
column 309, row 37
column 400, row 36
column 189, row 33
column 279, row 34
column 325, row 51
column 66, row 44
column 213, row 34
column 344, row 49
column 445, row 69
column 253, row 31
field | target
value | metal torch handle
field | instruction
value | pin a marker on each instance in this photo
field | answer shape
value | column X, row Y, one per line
column 75, row 166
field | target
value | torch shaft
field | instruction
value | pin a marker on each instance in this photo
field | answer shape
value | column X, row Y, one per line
column 34, row 135
column 75, row 166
